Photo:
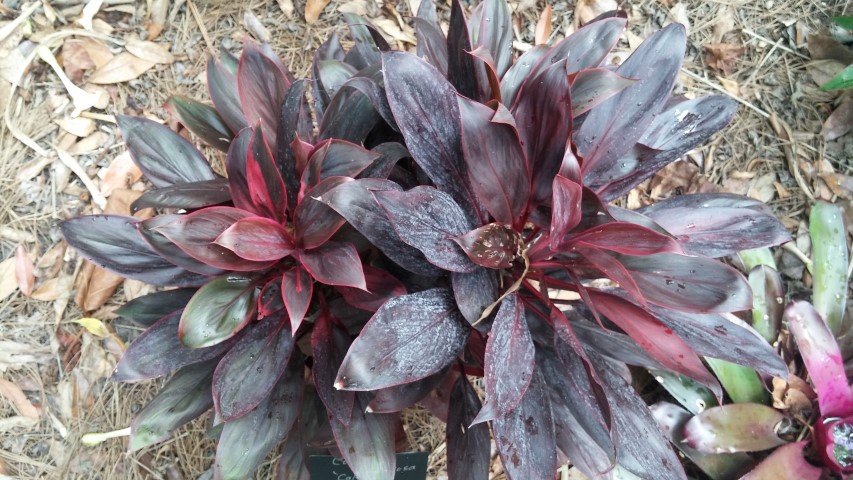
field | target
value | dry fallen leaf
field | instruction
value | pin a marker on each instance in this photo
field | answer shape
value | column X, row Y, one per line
column 14, row 355
column 16, row 396
column 313, row 9
column 286, row 7
column 391, row 29
column 8, row 281
column 94, row 326
column 724, row 22
column 89, row 144
column 723, row 56
column 48, row 291
column 543, row 26
column 763, row 188
column 731, row 86
column 824, row 47
column 823, row 71
column 678, row 13
column 122, row 68
column 150, row 51
column 79, row 127
column 840, row 184
column 586, row 10
column 158, row 10
column 254, row 25
column 75, row 59
column 24, row 270
column 97, row 50
column 840, row 122
column 121, row 173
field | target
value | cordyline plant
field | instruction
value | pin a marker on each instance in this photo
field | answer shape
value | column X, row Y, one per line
column 720, row 439
column 447, row 218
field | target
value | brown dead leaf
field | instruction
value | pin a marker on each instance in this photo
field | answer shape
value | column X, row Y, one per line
column 840, row 122
column 678, row 13
column 840, row 184
column 15, row 235
column 8, row 281
column 254, row 25
column 586, row 10
column 824, row 47
column 89, row 144
column 679, row 178
column 98, row 51
column 75, row 59
column 79, row 127
column 763, row 188
column 24, row 270
column 121, row 173
column 48, row 291
column 95, row 286
column 32, row 168
column 150, row 51
column 122, row 68
column 157, row 14
column 723, row 56
column 286, row 7
column 823, row 71
column 731, row 86
column 723, row 23
column 391, row 29
column 313, row 9
column 361, row 8
column 120, row 200
column 543, row 26
column 16, row 396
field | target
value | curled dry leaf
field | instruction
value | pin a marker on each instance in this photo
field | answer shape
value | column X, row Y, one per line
column 158, row 10
column 24, row 270
column 723, row 56
column 122, row 68
column 8, row 282
column 840, row 184
column 150, row 51
column 79, row 127
column 97, row 50
column 121, row 173
column 16, row 396
column 543, row 26
column 313, row 9
column 724, row 23
column 254, row 25
column 840, row 122
column 679, row 14
column 586, row 10
column 75, row 59
column 286, row 7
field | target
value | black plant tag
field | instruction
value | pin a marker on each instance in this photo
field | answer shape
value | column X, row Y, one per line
column 410, row 466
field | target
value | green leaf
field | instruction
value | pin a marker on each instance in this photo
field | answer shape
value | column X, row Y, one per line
column 740, row 427
column 829, row 252
column 741, row 383
column 203, row 120
column 844, row 22
column 217, row 311
column 689, row 393
column 842, row 80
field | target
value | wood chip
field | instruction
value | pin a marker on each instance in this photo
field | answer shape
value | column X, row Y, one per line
column 15, row 235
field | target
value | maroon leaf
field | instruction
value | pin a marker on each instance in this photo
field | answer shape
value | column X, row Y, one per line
column 492, row 246
column 296, row 289
column 366, row 49
column 218, row 311
column 163, row 156
column 713, row 224
column 169, row 250
column 389, row 350
column 246, row 441
column 462, row 71
column 425, row 108
column 270, row 300
column 399, row 397
column 113, row 242
column 333, row 74
column 519, row 71
column 222, row 84
column 295, row 122
column 593, row 86
column 336, row 158
column 367, row 82
column 525, row 437
column 185, row 195
column 235, row 167
column 183, row 398
column 468, row 450
column 262, row 86
column 496, row 163
column 266, row 188
column 659, row 340
column 250, row 370
column 157, row 352
column 509, row 361
column 334, row 263
column 196, row 233
column 474, row 292
column 367, row 442
column 257, row 238
column 431, row 43
column 543, row 113
column 350, row 117
column 203, row 120
column 493, row 31
column 314, row 221
column 689, row 284
column 566, row 210
column 428, row 220
column 611, row 236
column 612, row 269
column 329, row 344
column 147, row 309
column 380, row 287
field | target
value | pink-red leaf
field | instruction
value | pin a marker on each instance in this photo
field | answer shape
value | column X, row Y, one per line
column 566, row 210
column 336, row 158
column 169, row 250
column 787, row 461
column 217, row 311
column 235, row 167
column 203, row 120
column 640, row 240
column 381, row 286
column 296, row 289
column 266, row 188
column 334, row 263
column 257, row 238
column 315, row 222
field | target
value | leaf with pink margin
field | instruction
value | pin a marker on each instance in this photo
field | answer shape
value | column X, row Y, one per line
column 334, row 263
column 294, row 122
column 222, row 85
column 611, row 236
column 258, row 239
column 822, row 357
column 269, row 300
column 296, row 289
column 202, row 120
column 169, row 250
column 737, row 427
column 468, row 449
column 494, row 33
column 431, row 43
column 509, row 361
column 592, row 86
column 329, row 345
column 475, row 291
column 367, row 442
column 787, row 461
column 262, row 86
column 217, row 311
column 381, row 286
column 235, row 167
column 336, row 158
column 566, row 210
column 495, row 246
column 314, row 221
column 266, row 188
column 612, row 269
column 187, row 196
column 462, row 71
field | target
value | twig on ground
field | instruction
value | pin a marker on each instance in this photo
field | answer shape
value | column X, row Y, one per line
column 725, row 92
column 75, row 167
column 783, row 131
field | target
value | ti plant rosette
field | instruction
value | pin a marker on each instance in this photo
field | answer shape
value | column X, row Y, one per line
column 808, row 430
column 447, row 218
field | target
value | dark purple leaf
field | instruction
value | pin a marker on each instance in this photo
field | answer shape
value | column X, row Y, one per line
column 431, row 44
column 428, row 220
column 739, row 427
column 334, row 263
column 331, row 49
column 380, row 286
column 333, row 74
column 461, row 69
column 218, row 311
column 163, row 156
column 314, row 221
column 389, row 350
column 168, row 250
column 294, row 122
column 495, row 245
column 266, row 188
column 262, row 86
column 612, row 269
column 543, row 112
column 494, row 32
column 350, row 116
column 367, row 443
column 615, row 345
column 399, row 397
column 295, row 449
column 566, row 212
column 235, row 167
column 222, row 84
column 519, row 71
column 368, row 82
column 525, row 437
column 329, row 344
column 366, row 52
column 157, row 352
column 611, row 236
column 475, row 291
column 296, row 290
column 689, row 284
column 258, row 239
column 425, row 107
column 509, row 361
column 468, row 449
column 355, row 202
column 593, row 86
column 246, row 441
column 203, row 120
column 660, row 341
column 113, row 242
column 183, row 398
column 270, row 300
column 196, row 233
column 336, row 158
column 611, row 129
column 713, row 224
column 147, row 309
column 187, row 196
column 250, row 370
column 495, row 160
